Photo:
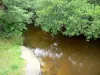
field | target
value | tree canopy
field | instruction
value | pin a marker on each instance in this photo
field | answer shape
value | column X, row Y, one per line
column 69, row 17
column 15, row 15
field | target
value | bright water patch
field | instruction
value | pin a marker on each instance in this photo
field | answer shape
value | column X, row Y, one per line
column 33, row 64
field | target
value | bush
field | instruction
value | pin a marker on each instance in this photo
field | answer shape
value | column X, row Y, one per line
column 69, row 17
column 16, row 15
column 95, row 2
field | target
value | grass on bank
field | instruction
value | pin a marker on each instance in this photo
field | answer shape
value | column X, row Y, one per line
column 11, row 62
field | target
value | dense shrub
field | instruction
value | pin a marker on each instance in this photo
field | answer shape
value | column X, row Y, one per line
column 15, row 16
column 95, row 2
column 70, row 17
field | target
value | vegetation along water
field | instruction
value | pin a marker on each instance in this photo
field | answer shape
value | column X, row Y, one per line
column 60, row 43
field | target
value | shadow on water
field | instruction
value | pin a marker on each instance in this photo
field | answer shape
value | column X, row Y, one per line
column 62, row 55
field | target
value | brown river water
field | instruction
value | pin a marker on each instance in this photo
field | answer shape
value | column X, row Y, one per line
column 61, row 55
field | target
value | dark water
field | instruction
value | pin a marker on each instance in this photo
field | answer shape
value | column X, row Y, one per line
column 62, row 55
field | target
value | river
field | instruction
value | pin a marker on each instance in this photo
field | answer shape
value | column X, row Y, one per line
column 61, row 55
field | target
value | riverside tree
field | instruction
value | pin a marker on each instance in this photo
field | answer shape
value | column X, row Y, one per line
column 69, row 17
column 95, row 2
column 16, row 14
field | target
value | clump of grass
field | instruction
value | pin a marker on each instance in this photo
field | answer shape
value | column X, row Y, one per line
column 10, row 61
column 8, row 43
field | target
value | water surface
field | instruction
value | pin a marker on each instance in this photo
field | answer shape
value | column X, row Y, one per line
column 62, row 55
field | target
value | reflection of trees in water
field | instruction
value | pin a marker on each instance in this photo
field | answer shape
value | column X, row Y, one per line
column 84, row 64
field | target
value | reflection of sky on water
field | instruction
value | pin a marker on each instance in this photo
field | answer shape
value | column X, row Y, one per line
column 73, row 62
column 43, row 53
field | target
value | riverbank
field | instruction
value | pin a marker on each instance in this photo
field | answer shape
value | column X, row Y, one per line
column 16, row 59
column 11, row 62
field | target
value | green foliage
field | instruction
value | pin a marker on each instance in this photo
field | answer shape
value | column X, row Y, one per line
column 15, row 16
column 11, row 62
column 8, row 43
column 1, row 12
column 69, row 17
column 96, row 2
